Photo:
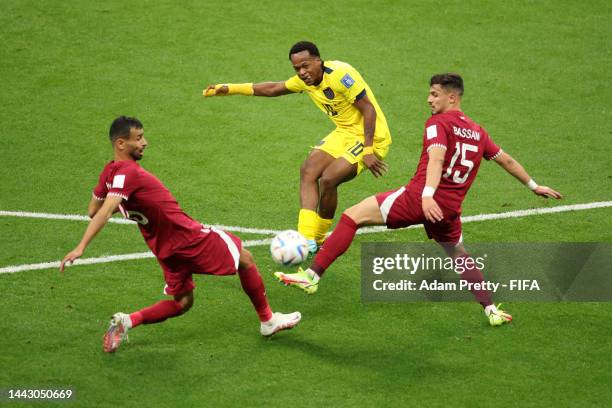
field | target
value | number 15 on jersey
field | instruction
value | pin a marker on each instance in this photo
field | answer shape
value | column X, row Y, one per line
column 461, row 149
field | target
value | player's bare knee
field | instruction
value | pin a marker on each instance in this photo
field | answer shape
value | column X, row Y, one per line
column 187, row 306
column 328, row 183
column 454, row 250
column 354, row 214
column 366, row 212
column 185, row 300
column 308, row 172
column 246, row 259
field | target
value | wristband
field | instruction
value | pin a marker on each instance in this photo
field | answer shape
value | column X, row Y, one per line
column 532, row 185
column 240, row 89
column 368, row 150
column 428, row 192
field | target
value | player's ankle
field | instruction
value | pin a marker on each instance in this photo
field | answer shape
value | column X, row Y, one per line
column 312, row 275
column 270, row 321
column 490, row 309
column 266, row 315
column 135, row 319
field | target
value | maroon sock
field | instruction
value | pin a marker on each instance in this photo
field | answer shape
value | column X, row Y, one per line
column 473, row 275
column 157, row 313
column 335, row 245
column 253, row 285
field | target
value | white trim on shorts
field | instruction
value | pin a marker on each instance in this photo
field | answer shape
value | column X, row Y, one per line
column 386, row 205
column 231, row 245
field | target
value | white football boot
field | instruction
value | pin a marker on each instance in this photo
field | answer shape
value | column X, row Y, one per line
column 278, row 322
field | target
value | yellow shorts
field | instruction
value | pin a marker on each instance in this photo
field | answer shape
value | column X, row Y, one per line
column 349, row 146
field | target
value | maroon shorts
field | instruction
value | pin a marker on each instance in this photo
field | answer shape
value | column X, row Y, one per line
column 216, row 254
column 400, row 209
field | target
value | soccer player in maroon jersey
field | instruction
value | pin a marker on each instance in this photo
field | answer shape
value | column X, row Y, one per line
column 182, row 245
column 453, row 147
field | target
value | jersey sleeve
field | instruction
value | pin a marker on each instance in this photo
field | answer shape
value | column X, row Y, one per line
column 435, row 135
column 124, row 183
column 491, row 150
column 99, row 192
column 295, row 84
column 351, row 84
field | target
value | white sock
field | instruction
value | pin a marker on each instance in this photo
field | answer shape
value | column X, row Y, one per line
column 490, row 309
column 127, row 321
column 313, row 275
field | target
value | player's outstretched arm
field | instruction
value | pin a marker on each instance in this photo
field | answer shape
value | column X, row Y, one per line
column 515, row 168
column 94, row 206
column 95, row 225
column 249, row 89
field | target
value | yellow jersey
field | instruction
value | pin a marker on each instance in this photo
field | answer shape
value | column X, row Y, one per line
column 340, row 87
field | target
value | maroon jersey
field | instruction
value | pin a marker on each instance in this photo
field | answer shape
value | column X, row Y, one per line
column 466, row 143
column 163, row 224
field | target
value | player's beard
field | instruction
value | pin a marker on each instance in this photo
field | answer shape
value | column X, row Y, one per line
column 137, row 154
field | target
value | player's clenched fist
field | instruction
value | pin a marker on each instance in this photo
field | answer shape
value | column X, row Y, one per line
column 216, row 90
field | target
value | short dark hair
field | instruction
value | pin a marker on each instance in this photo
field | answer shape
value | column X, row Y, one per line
column 120, row 128
column 304, row 46
column 448, row 81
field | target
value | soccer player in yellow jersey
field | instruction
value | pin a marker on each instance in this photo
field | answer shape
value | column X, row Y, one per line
column 361, row 138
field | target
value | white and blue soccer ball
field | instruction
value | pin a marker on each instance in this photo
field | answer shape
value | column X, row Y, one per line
column 289, row 248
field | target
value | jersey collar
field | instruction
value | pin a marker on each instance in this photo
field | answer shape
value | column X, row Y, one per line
column 326, row 70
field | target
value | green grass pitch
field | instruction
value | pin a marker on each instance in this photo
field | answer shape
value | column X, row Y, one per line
column 537, row 78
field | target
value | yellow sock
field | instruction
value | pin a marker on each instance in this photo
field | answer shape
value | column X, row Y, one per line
column 323, row 225
column 307, row 223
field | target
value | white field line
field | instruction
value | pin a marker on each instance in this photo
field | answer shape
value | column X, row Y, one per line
column 105, row 259
column 251, row 243
column 72, row 217
column 511, row 214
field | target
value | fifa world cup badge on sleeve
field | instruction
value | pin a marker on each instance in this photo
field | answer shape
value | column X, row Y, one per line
column 432, row 132
column 347, row 81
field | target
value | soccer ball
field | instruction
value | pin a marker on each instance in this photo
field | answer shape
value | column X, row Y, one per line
column 289, row 248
